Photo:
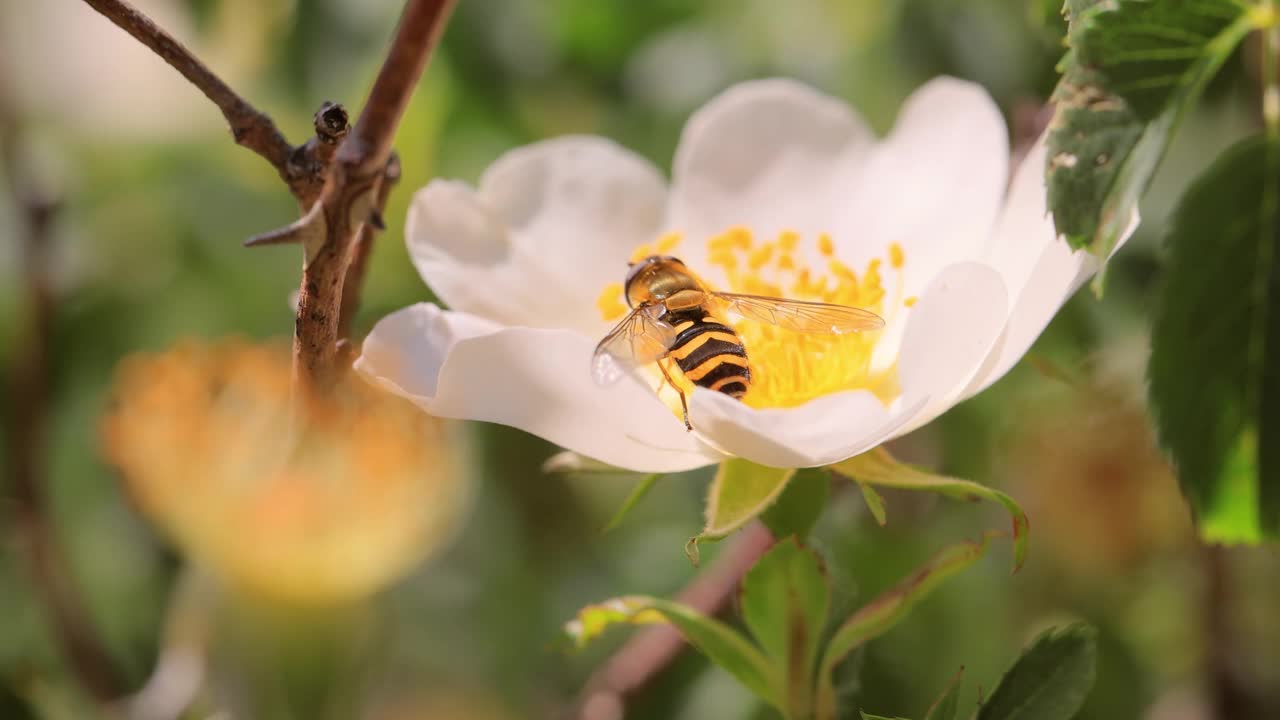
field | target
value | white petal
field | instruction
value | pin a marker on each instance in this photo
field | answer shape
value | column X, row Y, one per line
column 459, row 366
column 755, row 156
column 1041, row 270
column 820, row 432
column 775, row 155
column 551, row 225
column 934, row 186
column 1025, row 229
column 949, row 334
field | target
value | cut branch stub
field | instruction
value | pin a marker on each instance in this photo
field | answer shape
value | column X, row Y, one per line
column 310, row 162
column 331, row 123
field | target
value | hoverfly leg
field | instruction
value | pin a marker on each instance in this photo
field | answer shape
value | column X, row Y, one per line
column 684, row 405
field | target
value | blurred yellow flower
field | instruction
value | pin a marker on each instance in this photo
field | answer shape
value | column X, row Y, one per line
column 326, row 509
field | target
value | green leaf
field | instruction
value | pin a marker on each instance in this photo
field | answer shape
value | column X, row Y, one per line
column 947, row 705
column 874, row 501
column 887, row 609
column 740, row 491
column 641, row 489
column 720, row 643
column 1050, row 680
column 1214, row 371
column 785, row 600
column 878, row 467
column 801, row 503
column 1135, row 67
column 1156, row 53
column 869, row 716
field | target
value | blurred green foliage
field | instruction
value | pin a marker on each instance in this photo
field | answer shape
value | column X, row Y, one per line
column 156, row 202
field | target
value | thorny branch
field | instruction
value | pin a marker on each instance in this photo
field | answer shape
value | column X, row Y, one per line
column 652, row 649
column 70, row 624
column 354, row 282
column 350, row 198
column 337, row 176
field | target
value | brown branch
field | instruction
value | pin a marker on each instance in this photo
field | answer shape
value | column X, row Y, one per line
column 340, row 190
column 250, row 127
column 651, row 650
column 29, row 390
column 304, row 169
column 420, row 29
column 354, row 283
column 350, row 198
column 309, row 164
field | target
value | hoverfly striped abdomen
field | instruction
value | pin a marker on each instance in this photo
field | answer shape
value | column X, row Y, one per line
column 709, row 353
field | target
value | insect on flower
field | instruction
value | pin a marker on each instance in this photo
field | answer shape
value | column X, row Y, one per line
column 675, row 316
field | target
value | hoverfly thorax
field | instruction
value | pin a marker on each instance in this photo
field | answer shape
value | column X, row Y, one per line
column 657, row 278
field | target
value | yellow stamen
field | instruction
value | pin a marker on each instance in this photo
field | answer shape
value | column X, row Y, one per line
column 758, row 257
column 788, row 240
column 825, row 246
column 663, row 245
column 610, row 303
column 790, row 368
column 668, row 242
column 896, row 257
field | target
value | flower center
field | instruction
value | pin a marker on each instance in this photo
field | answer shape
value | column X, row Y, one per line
column 789, row 368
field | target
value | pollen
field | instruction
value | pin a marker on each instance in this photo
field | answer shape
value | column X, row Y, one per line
column 610, row 303
column 790, row 368
column 896, row 256
column 662, row 246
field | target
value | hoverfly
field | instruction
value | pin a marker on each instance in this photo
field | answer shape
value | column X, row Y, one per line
column 675, row 315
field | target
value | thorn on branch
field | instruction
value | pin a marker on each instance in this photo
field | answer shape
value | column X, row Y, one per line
column 307, row 231
column 287, row 235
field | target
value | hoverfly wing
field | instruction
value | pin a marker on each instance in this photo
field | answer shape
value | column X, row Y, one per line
column 800, row 315
column 641, row 338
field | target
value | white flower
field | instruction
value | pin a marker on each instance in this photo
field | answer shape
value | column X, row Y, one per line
column 776, row 189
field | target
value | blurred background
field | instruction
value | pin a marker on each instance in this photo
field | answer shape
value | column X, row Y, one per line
column 153, row 201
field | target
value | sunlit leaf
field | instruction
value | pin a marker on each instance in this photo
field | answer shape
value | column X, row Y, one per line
column 887, row 609
column 785, row 600
column 946, row 706
column 740, row 491
column 801, row 503
column 878, row 467
column 722, row 644
column 1214, row 370
column 1134, row 68
column 1051, row 679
